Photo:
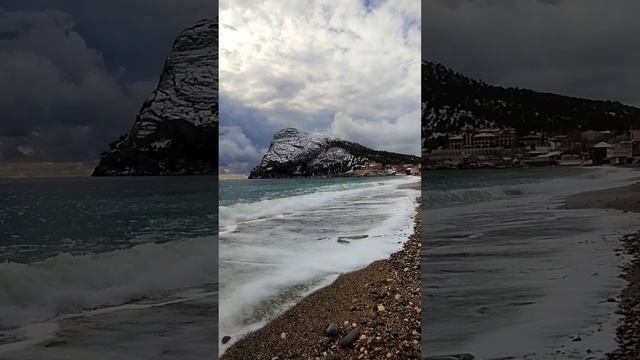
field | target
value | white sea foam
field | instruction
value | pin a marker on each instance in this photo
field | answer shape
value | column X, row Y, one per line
column 524, row 277
column 269, row 264
column 69, row 284
column 231, row 215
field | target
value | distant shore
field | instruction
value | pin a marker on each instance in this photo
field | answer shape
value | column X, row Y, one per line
column 18, row 170
column 626, row 199
column 376, row 311
column 232, row 176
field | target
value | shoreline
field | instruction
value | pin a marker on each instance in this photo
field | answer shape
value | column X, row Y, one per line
column 625, row 199
column 376, row 310
column 83, row 334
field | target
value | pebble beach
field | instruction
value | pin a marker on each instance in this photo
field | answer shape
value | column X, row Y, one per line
column 372, row 313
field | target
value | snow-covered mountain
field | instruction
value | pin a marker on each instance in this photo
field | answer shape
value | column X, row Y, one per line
column 451, row 100
column 295, row 153
column 176, row 130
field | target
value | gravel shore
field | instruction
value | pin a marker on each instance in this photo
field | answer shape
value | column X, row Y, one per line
column 625, row 199
column 375, row 313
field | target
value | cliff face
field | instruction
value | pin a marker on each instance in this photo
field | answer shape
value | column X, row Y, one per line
column 451, row 100
column 176, row 130
column 294, row 153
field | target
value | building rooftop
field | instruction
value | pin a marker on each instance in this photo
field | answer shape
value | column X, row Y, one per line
column 602, row 144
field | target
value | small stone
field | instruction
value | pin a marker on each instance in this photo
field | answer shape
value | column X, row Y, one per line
column 350, row 338
column 226, row 339
column 283, row 336
column 380, row 307
column 331, row 330
column 577, row 338
column 55, row 343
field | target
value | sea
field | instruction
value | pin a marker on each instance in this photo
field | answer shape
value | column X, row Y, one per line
column 108, row 268
column 509, row 273
column 282, row 239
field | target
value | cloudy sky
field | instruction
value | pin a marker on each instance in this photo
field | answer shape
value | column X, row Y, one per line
column 585, row 48
column 348, row 68
column 73, row 74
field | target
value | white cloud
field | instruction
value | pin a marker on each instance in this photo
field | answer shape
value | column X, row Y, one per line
column 239, row 153
column 402, row 135
column 309, row 63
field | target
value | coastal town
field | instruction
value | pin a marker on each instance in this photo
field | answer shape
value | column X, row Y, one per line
column 378, row 169
column 503, row 148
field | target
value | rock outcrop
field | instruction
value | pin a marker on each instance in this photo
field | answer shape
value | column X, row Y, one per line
column 176, row 130
column 295, row 153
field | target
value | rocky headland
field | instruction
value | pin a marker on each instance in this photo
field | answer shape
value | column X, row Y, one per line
column 295, row 153
column 176, row 130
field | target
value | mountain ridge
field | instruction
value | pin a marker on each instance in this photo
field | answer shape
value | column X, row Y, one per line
column 451, row 100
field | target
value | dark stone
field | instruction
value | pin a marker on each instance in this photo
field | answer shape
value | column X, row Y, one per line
column 55, row 343
column 577, row 338
column 331, row 330
column 226, row 339
column 350, row 338
column 451, row 357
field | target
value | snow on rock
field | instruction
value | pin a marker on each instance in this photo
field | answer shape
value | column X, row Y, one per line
column 451, row 101
column 297, row 153
column 176, row 129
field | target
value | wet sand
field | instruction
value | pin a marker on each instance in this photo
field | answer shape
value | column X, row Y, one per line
column 625, row 199
column 378, row 308
column 178, row 331
column 414, row 185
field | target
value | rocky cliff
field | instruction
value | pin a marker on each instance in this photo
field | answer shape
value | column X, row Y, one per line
column 295, row 153
column 451, row 100
column 176, row 130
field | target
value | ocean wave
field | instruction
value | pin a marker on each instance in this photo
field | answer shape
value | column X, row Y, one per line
column 445, row 198
column 68, row 284
column 231, row 215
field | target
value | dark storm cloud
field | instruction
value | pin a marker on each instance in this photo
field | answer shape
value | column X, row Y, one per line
column 130, row 34
column 73, row 74
column 579, row 48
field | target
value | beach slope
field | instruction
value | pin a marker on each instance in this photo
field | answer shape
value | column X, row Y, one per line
column 376, row 311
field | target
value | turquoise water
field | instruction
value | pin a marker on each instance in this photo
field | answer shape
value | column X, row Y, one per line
column 72, row 245
column 280, row 239
column 40, row 218
column 246, row 191
column 445, row 188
